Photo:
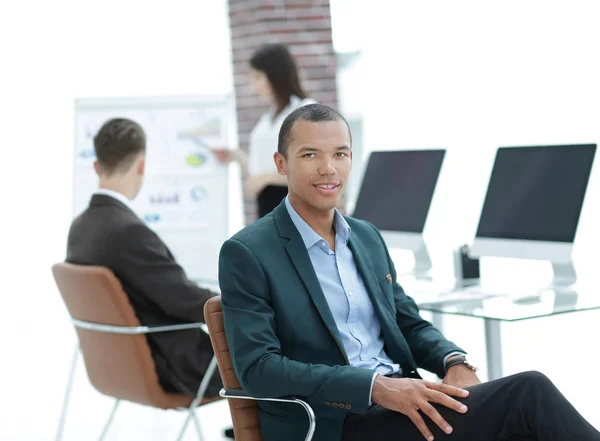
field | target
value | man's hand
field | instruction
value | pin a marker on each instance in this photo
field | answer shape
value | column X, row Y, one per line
column 461, row 376
column 408, row 396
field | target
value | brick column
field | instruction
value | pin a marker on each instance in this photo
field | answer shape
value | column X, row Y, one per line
column 305, row 27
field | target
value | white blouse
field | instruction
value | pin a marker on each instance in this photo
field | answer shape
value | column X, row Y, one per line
column 264, row 136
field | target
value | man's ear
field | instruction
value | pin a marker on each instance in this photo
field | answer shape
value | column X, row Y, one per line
column 97, row 167
column 280, row 163
column 141, row 165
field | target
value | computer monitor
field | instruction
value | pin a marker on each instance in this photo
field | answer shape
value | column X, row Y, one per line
column 533, row 204
column 395, row 196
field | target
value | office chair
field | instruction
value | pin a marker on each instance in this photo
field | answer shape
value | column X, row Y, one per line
column 116, row 353
column 243, row 408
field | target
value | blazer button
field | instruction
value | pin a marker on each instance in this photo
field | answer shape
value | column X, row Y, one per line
column 348, row 407
column 334, row 404
column 327, row 403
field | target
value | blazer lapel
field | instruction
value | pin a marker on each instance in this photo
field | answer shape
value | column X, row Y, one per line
column 368, row 275
column 296, row 249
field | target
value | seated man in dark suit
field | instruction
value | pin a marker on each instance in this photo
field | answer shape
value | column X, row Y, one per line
column 312, row 308
column 110, row 234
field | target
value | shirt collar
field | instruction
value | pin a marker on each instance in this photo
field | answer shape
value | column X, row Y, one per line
column 309, row 236
column 116, row 195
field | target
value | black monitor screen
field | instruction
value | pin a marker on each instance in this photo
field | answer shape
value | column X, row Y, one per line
column 397, row 189
column 536, row 193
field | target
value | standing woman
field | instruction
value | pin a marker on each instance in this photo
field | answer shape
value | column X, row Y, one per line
column 274, row 76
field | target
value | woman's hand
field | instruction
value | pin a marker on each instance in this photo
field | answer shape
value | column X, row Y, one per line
column 224, row 155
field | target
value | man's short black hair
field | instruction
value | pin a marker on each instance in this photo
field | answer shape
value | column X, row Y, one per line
column 310, row 112
column 118, row 142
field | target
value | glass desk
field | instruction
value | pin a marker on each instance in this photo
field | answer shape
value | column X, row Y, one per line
column 492, row 307
column 497, row 307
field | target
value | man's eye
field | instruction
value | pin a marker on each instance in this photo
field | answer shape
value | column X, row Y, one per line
column 342, row 154
column 309, row 155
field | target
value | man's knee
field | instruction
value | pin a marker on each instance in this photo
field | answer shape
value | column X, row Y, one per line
column 533, row 376
column 535, row 380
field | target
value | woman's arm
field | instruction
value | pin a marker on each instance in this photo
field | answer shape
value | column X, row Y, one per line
column 240, row 156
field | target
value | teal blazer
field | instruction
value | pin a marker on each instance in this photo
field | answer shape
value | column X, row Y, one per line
column 283, row 338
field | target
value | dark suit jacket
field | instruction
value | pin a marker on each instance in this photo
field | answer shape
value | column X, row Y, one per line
column 109, row 234
column 282, row 335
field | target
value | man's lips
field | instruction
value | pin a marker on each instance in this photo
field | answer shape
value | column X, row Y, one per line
column 327, row 188
column 327, row 185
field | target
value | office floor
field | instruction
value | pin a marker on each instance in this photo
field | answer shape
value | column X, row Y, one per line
column 37, row 349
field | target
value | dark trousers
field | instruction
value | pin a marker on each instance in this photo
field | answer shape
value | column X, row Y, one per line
column 521, row 407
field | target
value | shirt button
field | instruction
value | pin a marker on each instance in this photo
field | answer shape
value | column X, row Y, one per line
column 350, row 293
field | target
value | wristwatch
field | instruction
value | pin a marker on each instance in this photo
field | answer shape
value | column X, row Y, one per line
column 459, row 359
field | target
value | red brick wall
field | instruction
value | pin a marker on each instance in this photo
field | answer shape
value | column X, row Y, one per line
column 305, row 27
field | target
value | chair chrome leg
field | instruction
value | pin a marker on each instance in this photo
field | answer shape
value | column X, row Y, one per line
column 110, row 420
column 198, row 428
column 212, row 367
column 63, row 414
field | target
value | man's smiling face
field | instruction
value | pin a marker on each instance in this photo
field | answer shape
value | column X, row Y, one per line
column 318, row 163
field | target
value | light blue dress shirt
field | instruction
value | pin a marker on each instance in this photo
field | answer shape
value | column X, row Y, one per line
column 346, row 295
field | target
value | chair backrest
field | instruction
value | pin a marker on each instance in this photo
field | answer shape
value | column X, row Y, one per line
column 118, row 365
column 244, row 413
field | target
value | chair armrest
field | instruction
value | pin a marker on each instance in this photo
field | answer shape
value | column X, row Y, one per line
column 134, row 330
column 241, row 395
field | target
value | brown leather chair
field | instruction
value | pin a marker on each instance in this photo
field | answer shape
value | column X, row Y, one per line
column 243, row 408
column 115, row 350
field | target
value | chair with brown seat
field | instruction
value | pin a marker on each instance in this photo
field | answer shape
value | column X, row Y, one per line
column 115, row 350
column 243, row 408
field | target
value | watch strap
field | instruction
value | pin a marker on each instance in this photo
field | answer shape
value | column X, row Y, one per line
column 459, row 359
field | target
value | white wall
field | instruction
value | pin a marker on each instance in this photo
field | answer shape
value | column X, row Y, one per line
column 58, row 51
column 471, row 76
column 52, row 53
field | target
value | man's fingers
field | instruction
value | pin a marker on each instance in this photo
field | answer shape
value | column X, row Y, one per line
column 435, row 416
column 418, row 421
column 441, row 398
column 447, row 389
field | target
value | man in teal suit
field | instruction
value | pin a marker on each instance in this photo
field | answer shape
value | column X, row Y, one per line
column 312, row 309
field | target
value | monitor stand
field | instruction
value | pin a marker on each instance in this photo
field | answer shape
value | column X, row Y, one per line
column 422, row 268
column 415, row 243
column 565, row 300
column 564, row 275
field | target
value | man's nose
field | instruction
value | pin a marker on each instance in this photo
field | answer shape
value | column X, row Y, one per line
column 327, row 167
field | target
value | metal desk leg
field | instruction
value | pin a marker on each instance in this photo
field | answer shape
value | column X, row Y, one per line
column 437, row 320
column 493, row 347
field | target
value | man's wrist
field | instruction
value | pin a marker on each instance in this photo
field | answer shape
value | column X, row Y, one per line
column 376, row 388
column 451, row 356
column 375, row 375
column 459, row 360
